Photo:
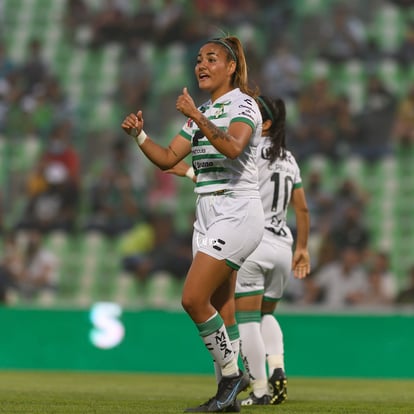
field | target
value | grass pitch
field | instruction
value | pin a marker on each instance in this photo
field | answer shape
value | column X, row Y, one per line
column 112, row 393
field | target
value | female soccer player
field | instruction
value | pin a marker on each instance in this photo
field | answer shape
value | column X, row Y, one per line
column 264, row 275
column 222, row 136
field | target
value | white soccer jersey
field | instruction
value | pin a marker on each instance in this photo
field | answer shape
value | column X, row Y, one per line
column 214, row 170
column 276, row 183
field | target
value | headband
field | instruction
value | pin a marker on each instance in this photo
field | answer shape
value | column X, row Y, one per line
column 266, row 108
column 226, row 45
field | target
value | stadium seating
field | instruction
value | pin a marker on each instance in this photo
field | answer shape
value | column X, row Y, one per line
column 90, row 265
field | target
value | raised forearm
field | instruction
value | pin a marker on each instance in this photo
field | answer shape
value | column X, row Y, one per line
column 224, row 142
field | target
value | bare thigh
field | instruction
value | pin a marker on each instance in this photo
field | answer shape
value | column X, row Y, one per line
column 206, row 277
column 268, row 307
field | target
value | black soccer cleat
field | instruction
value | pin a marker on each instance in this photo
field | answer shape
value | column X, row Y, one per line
column 229, row 388
column 278, row 386
column 210, row 405
column 253, row 400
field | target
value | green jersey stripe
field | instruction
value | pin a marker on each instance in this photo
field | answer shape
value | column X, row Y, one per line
column 210, row 182
column 245, row 120
column 211, row 156
column 185, row 135
column 212, row 169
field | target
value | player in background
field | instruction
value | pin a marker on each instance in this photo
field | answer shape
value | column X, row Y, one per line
column 264, row 275
column 222, row 136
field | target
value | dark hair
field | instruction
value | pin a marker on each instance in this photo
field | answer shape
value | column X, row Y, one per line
column 234, row 51
column 275, row 111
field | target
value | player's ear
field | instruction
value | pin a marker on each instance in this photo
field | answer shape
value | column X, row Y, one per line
column 231, row 67
column 267, row 124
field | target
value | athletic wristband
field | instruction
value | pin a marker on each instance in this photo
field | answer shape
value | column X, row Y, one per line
column 190, row 173
column 140, row 138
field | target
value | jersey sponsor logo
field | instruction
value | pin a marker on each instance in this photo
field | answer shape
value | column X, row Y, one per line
column 248, row 284
column 203, row 164
column 199, row 150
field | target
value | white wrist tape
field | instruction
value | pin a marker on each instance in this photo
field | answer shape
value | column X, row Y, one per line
column 190, row 173
column 140, row 138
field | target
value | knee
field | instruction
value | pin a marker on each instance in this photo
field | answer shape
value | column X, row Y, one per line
column 188, row 303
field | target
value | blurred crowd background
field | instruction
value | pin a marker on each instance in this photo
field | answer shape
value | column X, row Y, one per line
column 84, row 217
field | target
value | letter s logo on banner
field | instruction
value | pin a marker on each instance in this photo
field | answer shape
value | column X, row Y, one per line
column 108, row 331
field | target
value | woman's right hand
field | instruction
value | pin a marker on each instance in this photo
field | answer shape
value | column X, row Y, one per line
column 133, row 124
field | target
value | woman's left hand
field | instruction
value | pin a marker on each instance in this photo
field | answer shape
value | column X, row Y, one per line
column 185, row 104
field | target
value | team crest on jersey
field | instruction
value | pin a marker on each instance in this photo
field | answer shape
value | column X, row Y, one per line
column 220, row 109
column 219, row 112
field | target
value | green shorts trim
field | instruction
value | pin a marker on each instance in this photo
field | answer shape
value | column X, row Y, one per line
column 252, row 293
column 232, row 265
column 273, row 300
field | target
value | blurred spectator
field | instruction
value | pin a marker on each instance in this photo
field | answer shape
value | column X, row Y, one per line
column 406, row 295
column 217, row 12
column 339, row 284
column 375, row 122
column 343, row 35
column 27, row 267
column 39, row 271
column 404, row 4
column 315, row 131
column 77, row 19
column 346, row 127
column 6, row 63
column 62, row 105
column 158, row 248
column 12, row 91
column 348, row 193
column 320, row 203
column 34, row 69
column 405, row 52
column 114, row 207
column 54, row 204
column 350, row 230
column 281, row 71
column 109, row 22
column 60, row 150
column 162, row 190
column 382, row 281
column 403, row 128
column 2, row 212
column 10, row 264
column 168, row 23
column 141, row 24
column 134, row 85
column 47, row 105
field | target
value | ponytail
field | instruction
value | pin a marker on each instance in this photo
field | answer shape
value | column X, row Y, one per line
column 275, row 111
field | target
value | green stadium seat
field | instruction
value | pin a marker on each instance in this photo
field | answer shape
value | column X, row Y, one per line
column 393, row 76
column 388, row 27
